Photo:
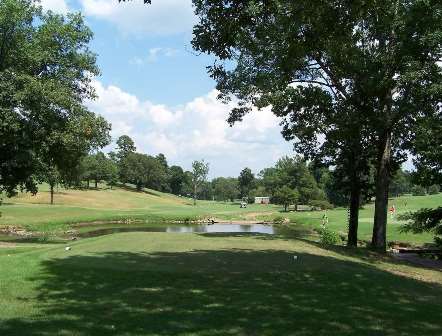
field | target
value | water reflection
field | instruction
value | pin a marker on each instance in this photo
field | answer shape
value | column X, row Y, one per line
column 176, row 228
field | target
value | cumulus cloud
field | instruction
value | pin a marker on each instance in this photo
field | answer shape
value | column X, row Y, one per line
column 195, row 130
column 164, row 17
column 57, row 6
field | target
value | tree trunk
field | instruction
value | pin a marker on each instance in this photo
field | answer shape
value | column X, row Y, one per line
column 88, row 183
column 194, row 194
column 379, row 238
column 52, row 193
column 355, row 197
column 96, row 184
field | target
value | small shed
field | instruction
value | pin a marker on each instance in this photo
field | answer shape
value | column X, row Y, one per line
column 262, row 200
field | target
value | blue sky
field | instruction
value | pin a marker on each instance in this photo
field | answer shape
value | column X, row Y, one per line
column 154, row 88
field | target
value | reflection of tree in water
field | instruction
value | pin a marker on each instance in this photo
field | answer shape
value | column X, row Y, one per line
column 245, row 228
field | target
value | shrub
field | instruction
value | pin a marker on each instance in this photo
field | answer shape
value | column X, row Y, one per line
column 329, row 237
column 433, row 189
column 321, row 204
column 419, row 191
column 278, row 220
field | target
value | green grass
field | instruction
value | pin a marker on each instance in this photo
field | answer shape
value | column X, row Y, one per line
column 189, row 284
column 74, row 206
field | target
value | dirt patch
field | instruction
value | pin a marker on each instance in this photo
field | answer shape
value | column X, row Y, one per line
column 252, row 215
column 4, row 245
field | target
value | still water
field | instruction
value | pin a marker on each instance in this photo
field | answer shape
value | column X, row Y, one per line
column 177, row 228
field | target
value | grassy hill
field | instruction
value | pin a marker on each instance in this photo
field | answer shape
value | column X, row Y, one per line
column 78, row 206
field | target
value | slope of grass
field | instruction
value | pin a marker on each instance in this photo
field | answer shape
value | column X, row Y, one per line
column 188, row 284
column 76, row 206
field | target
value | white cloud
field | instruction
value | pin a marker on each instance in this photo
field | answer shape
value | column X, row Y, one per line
column 57, row 6
column 154, row 54
column 163, row 17
column 195, row 130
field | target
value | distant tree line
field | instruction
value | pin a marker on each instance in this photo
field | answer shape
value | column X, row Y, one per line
column 292, row 181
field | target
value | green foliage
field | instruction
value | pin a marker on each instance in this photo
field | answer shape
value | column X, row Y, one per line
column 142, row 170
column 419, row 190
column 200, row 170
column 45, row 76
column 177, row 179
column 225, row 188
column 286, row 196
column 245, row 181
column 433, row 189
column 354, row 83
column 321, row 204
column 294, row 174
column 125, row 146
column 328, row 237
column 278, row 220
column 400, row 183
column 424, row 220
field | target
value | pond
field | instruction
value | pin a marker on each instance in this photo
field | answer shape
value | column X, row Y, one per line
column 90, row 231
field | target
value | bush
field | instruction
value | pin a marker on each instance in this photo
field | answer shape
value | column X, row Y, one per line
column 278, row 220
column 328, row 237
column 321, row 204
column 433, row 189
column 419, row 191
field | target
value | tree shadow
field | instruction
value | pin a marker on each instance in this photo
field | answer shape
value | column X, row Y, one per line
column 226, row 292
column 134, row 189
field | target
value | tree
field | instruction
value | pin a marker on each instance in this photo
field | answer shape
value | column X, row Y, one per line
column 52, row 177
column 125, row 145
column 245, row 181
column 286, row 196
column 142, row 170
column 45, row 76
column 400, row 183
column 111, row 173
column 433, row 189
column 419, row 190
column 200, row 170
column 424, row 220
column 176, row 179
column 360, row 75
column 225, row 188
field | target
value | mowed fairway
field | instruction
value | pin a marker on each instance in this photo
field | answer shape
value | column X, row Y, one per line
column 190, row 284
column 77, row 206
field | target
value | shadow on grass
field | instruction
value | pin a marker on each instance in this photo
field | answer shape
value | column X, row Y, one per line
column 30, row 240
column 226, row 292
column 134, row 189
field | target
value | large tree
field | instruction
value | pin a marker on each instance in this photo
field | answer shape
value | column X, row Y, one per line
column 346, row 74
column 225, row 188
column 286, row 196
column 46, row 70
column 143, row 171
column 245, row 181
column 176, row 179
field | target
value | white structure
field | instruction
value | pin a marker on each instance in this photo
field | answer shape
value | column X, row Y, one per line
column 262, row 200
